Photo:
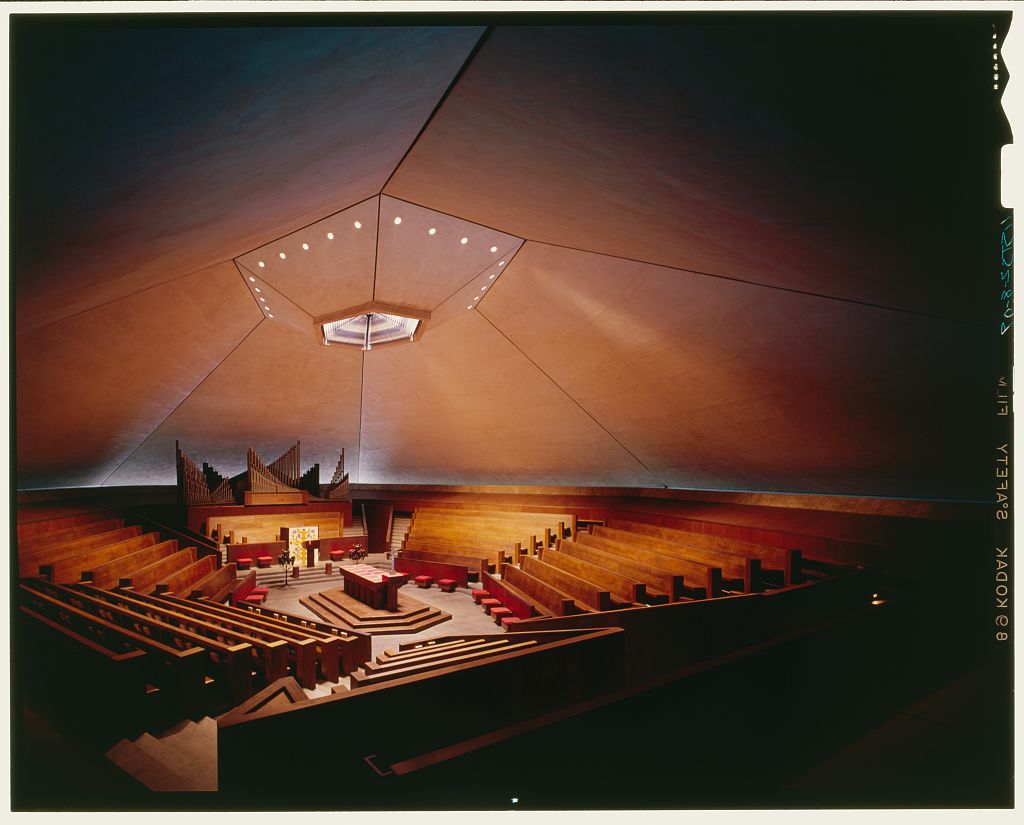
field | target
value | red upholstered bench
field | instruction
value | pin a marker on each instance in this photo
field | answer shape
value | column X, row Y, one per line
column 337, row 555
column 480, row 594
column 424, row 581
column 447, row 585
column 264, row 561
column 243, row 563
column 489, row 604
column 508, row 621
column 498, row 613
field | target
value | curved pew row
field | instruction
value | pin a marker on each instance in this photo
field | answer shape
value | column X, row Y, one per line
column 741, row 573
column 228, row 663
column 786, row 563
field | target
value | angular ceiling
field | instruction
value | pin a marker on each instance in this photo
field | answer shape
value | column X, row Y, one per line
column 651, row 255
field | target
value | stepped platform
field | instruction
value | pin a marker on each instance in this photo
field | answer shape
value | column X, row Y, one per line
column 337, row 607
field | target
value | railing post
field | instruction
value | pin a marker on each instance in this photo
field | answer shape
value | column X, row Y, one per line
column 517, row 554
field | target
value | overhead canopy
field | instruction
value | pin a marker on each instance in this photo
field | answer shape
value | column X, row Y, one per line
column 728, row 253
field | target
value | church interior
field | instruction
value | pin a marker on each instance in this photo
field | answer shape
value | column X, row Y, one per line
column 525, row 411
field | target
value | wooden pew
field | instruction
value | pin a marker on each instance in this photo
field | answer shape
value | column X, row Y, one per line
column 737, row 568
column 356, row 647
column 145, row 579
column 358, row 681
column 696, row 576
column 786, row 561
column 554, row 600
column 307, row 651
column 29, row 561
column 510, row 596
column 582, row 591
column 623, row 588
column 217, row 586
column 276, row 650
column 177, row 670
column 662, row 585
column 29, row 544
column 108, row 575
column 70, row 568
column 475, row 564
column 464, row 545
column 459, row 573
column 272, row 654
column 182, row 580
column 229, row 661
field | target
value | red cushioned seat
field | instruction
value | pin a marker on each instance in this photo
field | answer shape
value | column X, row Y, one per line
column 260, row 591
column 489, row 604
column 264, row 561
column 506, row 621
column 243, row 563
column 337, row 555
column 255, row 598
column 424, row 581
column 480, row 594
column 497, row 613
column 447, row 585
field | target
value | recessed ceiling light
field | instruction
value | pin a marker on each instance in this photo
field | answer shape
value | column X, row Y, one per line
column 477, row 298
column 357, row 225
column 269, row 315
column 432, row 231
column 267, row 308
column 256, row 288
column 470, row 306
column 494, row 249
column 501, row 263
column 305, row 246
column 483, row 287
column 491, row 277
column 263, row 299
column 464, row 240
column 283, row 256
column 397, row 221
column 262, row 264
column 330, row 236
column 252, row 279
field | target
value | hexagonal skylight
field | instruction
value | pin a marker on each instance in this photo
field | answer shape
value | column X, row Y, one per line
column 369, row 328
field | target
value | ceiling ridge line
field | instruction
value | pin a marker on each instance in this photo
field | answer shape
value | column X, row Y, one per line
column 376, row 254
column 488, row 30
column 574, row 400
column 353, row 205
column 758, row 283
column 121, row 297
column 240, row 266
column 458, row 289
column 359, row 434
column 188, row 395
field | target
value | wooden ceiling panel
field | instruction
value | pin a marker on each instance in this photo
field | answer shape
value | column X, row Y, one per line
column 714, row 148
column 232, row 137
column 277, row 388
column 463, row 405
column 421, row 270
column 91, row 388
column 714, row 383
column 327, row 266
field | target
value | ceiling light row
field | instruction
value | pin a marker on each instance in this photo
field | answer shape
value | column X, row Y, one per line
column 257, row 290
column 330, row 237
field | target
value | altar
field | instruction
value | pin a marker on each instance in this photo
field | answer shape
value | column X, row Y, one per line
column 373, row 586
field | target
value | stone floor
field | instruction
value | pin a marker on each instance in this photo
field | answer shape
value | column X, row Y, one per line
column 467, row 617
